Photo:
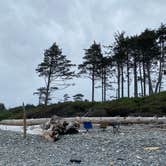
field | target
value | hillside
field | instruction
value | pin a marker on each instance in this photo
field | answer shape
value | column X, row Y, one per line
column 154, row 105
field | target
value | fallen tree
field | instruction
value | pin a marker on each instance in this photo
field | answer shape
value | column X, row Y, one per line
column 122, row 120
column 57, row 126
column 19, row 122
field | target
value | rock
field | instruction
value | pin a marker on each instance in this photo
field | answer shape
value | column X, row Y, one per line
column 125, row 150
column 75, row 161
column 111, row 163
column 138, row 157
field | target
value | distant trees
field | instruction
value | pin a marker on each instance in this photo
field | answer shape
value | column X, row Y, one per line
column 135, row 65
column 41, row 93
column 66, row 97
column 78, row 97
column 141, row 57
column 54, row 67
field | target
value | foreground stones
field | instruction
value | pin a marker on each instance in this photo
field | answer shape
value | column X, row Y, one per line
column 57, row 126
column 93, row 148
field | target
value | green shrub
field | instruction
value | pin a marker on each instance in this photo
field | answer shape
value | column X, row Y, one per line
column 140, row 106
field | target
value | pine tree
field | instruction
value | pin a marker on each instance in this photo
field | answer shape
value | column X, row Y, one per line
column 55, row 66
column 66, row 97
column 119, row 58
column 90, row 65
column 41, row 92
column 161, row 35
column 78, row 97
column 150, row 52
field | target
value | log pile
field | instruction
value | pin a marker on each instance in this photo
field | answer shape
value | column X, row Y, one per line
column 57, row 126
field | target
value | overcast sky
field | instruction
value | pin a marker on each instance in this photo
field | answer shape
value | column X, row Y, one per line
column 28, row 27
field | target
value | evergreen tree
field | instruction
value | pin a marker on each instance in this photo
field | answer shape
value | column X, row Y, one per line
column 105, row 72
column 2, row 106
column 90, row 65
column 150, row 52
column 66, row 97
column 41, row 92
column 119, row 58
column 134, row 52
column 78, row 97
column 55, row 66
column 161, row 35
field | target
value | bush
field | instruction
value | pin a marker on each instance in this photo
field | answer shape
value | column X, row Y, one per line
column 142, row 106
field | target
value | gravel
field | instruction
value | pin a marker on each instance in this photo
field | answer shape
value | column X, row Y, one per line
column 95, row 148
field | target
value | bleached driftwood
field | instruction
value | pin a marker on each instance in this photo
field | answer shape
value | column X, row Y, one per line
column 19, row 122
column 122, row 120
column 57, row 126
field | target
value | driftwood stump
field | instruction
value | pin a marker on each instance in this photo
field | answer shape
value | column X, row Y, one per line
column 57, row 126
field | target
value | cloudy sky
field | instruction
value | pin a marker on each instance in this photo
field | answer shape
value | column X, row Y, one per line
column 28, row 27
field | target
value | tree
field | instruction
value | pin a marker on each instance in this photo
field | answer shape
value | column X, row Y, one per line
column 66, row 97
column 134, row 51
column 127, row 61
column 161, row 35
column 2, row 106
column 41, row 93
column 150, row 52
column 105, row 72
column 90, row 65
column 78, row 97
column 119, row 50
column 54, row 67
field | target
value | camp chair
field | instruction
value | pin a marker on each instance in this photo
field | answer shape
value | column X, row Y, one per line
column 87, row 125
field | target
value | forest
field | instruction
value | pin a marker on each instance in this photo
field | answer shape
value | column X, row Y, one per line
column 132, row 66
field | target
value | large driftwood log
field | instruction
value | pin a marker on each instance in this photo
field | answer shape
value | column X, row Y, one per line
column 57, row 126
column 122, row 120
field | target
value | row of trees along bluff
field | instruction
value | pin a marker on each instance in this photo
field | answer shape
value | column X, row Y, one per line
column 135, row 62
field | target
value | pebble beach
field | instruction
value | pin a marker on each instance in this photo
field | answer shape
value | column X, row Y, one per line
column 134, row 145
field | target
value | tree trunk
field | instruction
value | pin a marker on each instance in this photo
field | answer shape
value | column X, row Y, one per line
column 135, row 79
column 48, row 86
column 128, row 77
column 158, row 84
column 40, row 98
column 118, row 81
column 105, row 82
column 122, row 82
column 141, row 82
column 144, row 78
column 57, row 126
column 102, row 85
column 149, row 79
column 93, row 84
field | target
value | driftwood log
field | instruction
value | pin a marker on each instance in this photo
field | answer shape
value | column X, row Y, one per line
column 57, row 126
column 98, row 120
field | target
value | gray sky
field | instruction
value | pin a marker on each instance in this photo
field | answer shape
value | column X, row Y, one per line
column 28, row 27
